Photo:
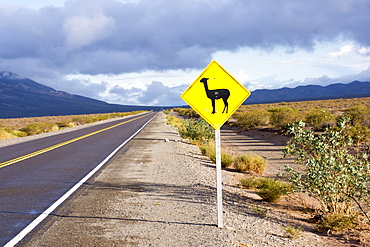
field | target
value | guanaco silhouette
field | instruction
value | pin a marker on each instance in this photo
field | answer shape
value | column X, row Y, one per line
column 223, row 94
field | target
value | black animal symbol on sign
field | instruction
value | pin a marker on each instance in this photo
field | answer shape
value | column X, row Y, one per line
column 223, row 94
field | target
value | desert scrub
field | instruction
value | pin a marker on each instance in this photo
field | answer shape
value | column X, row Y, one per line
column 272, row 189
column 186, row 112
column 38, row 128
column 174, row 121
column 5, row 134
column 337, row 222
column 252, row 119
column 197, row 130
column 249, row 183
column 250, row 162
column 20, row 127
column 337, row 178
column 65, row 124
column 358, row 133
column 210, row 151
column 282, row 116
column 81, row 120
column 292, row 232
column 268, row 189
column 358, row 115
column 18, row 133
column 319, row 119
column 262, row 212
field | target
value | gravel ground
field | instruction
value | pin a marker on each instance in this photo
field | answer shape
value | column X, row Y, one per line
column 163, row 193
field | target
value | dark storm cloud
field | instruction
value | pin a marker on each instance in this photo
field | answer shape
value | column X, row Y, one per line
column 93, row 37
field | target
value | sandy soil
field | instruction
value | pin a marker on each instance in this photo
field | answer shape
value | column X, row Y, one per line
column 163, row 193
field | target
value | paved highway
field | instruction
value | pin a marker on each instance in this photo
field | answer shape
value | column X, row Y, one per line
column 35, row 174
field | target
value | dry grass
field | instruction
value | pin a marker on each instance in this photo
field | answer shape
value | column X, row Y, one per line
column 15, row 127
column 250, row 162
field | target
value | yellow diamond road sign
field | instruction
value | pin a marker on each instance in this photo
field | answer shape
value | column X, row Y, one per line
column 215, row 95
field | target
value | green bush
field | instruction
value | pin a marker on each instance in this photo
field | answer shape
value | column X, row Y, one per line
column 320, row 119
column 226, row 159
column 358, row 133
column 271, row 190
column 333, row 175
column 359, row 115
column 250, row 162
column 267, row 188
column 337, row 222
column 197, row 130
column 282, row 116
column 251, row 119
column 210, row 151
column 249, row 183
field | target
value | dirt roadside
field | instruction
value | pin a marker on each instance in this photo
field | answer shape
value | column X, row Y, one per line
column 163, row 193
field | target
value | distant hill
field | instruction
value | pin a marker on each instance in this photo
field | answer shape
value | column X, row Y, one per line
column 355, row 89
column 22, row 97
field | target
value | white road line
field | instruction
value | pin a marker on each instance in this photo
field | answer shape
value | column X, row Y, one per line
column 48, row 211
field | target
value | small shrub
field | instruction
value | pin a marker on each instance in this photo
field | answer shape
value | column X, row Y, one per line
column 210, row 151
column 260, row 211
column 186, row 112
column 65, row 124
column 337, row 222
column 226, row 159
column 18, row 133
column 282, row 116
column 358, row 133
column 250, row 162
column 5, row 135
column 176, row 122
column 267, row 188
column 358, row 115
column 81, row 120
column 102, row 117
column 249, row 183
column 320, row 119
column 271, row 190
column 38, row 128
column 197, row 130
column 252, row 119
column 293, row 232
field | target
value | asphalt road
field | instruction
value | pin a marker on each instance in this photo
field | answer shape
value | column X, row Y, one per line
column 35, row 174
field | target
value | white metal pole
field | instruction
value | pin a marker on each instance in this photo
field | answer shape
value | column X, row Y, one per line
column 219, row 178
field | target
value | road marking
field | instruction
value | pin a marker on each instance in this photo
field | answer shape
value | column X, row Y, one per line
column 27, row 156
column 48, row 211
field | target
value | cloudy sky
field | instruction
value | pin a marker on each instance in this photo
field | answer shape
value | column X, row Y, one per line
column 148, row 51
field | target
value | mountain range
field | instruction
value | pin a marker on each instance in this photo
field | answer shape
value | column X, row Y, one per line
column 355, row 89
column 23, row 97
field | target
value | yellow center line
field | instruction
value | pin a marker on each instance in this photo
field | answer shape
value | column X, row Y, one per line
column 27, row 156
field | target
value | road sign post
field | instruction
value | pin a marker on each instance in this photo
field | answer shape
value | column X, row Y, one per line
column 219, row 178
column 215, row 95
